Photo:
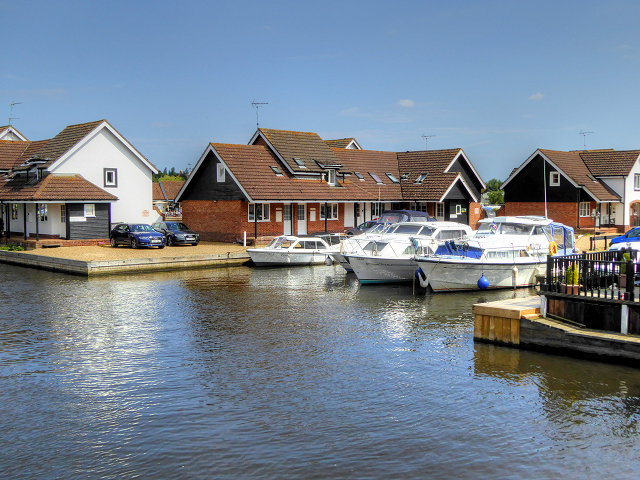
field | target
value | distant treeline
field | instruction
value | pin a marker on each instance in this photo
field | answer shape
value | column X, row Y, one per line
column 169, row 175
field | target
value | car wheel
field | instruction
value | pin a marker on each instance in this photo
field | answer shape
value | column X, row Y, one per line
column 170, row 241
column 134, row 244
column 194, row 244
column 160, row 247
column 114, row 244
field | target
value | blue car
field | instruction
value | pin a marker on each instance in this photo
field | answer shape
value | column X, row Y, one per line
column 135, row 235
column 631, row 239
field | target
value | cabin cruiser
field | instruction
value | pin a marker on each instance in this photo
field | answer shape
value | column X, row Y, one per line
column 292, row 250
column 505, row 252
column 389, row 257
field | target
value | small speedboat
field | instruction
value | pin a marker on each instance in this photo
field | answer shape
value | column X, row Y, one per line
column 505, row 252
column 292, row 250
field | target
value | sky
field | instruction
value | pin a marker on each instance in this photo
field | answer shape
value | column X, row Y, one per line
column 498, row 79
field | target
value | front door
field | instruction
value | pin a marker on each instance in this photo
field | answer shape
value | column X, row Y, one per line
column 349, row 217
column 302, row 219
column 286, row 217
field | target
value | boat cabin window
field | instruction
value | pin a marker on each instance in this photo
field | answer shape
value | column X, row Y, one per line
column 427, row 231
column 515, row 229
column 450, row 234
column 279, row 242
column 410, row 250
column 374, row 246
column 506, row 254
column 310, row 244
column 408, row 229
column 558, row 237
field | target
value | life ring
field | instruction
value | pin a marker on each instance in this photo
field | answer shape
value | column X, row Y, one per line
column 553, row 248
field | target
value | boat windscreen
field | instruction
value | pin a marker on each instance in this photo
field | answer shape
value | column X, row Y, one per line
column 515, row 229
column 408, row 229
column 374, row 246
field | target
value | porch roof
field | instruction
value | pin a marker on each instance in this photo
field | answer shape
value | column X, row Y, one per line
column 53, row 188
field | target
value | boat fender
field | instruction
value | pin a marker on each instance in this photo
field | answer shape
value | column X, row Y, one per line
column 328, row 260
column 553, row 248
column 422, row 278
column 514, row 272
column 483, row 282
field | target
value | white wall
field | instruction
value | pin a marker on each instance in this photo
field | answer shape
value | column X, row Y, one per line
column 134, row 190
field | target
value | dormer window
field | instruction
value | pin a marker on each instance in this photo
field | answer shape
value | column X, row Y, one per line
column 331, row 177
column 421, row 177
column 299, row 162
column 376, row 178
column 392, row 178
column 359, row 175
column 276, row 170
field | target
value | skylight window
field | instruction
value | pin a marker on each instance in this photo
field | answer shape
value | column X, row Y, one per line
column 405, row 176
column 359, row 175
column 392, row 178
column 421, row 177
column 376, row 178
column 276, row 170
column 299, row 162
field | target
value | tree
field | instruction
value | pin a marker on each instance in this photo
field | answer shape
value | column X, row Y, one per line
column 494, row 184
column 495, row 197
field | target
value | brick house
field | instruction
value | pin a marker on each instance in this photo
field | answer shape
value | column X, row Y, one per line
column 165, row 192
column 583, row 189
column 74, row 185
column 286, row 182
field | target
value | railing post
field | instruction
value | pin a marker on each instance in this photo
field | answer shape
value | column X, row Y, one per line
column 631, row 283
column 549, row 272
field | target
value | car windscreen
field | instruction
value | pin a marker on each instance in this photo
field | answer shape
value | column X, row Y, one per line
column 176, row 226
column 141, row 227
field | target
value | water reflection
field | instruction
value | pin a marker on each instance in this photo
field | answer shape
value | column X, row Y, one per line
column 289, row 373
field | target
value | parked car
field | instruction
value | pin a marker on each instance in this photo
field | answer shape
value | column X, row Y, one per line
column 363, row 227
column 136, row 235
column 177, row 233
column 631, row 239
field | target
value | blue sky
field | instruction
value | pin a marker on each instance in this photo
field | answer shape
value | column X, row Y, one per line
column 496, row 78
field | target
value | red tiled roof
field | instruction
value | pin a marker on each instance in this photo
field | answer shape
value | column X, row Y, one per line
column 14, row 153
column 171, row 188
column 53, row 188
column 339, row 142
column 157, row 192
column 431, row 162
column 605, row 163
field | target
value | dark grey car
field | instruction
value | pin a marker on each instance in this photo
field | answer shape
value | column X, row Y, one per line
column 177, row 233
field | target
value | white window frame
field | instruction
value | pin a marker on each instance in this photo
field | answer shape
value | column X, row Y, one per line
column 63, row 213
column 636, row 181
column 585, row 209
column 331, row 177
column 376, row 209
column 302, row 212
column 220, row 173
column 261, row 209
column 554, row 179
column 439, row 210
column 458, row 209
column 111, row 183
column 89, row 210
column 333, row 211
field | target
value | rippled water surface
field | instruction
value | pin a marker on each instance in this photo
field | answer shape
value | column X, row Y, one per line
column 289, row 373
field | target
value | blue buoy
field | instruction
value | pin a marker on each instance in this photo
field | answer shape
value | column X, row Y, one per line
column 483, row 282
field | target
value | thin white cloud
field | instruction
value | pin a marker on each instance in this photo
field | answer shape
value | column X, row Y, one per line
column 350, row 111
column 537, row 97
column 407, row 103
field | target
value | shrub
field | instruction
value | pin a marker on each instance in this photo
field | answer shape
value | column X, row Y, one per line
column 572, row 275
column 623, row 266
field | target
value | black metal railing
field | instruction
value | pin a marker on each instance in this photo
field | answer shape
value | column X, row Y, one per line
column 606, row 274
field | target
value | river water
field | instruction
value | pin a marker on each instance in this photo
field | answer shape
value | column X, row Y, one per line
column 289, row 373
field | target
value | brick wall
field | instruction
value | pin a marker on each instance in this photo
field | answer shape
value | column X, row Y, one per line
column 562, row 212
column 475, row 214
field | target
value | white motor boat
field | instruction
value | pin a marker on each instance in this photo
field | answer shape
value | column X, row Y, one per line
column 505, row 252
column 292, row 250
column 391, row 256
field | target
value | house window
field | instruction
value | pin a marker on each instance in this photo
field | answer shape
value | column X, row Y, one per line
column 421, row 207
column 276, row 170
column 458, row 209
column 356, row 210
column 14, row 211
column 221, row 170
column 554, row 179
column 376, row 178
column 42, row 212
column 636, row 181
column 585, row 209
column 392, row 178
column 331, row 177
column 89, row 210
column 376, row 209
column 110, row 177
column 421, row 177
column 63, row 213
column 286, row 213
column 301, row 212
column 261, row 210
column 359, row 175
column 299, row 162
column 440, row 210
column 332, row 208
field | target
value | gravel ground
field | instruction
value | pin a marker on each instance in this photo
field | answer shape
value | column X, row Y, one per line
column 106, row 252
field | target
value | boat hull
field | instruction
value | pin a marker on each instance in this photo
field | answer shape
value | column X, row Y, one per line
column 339, row 258
column 271, row 258
column 374, row 269
column 444, row 275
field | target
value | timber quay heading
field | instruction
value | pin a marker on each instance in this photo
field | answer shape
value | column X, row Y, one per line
column 519, row 323
column 122, row 265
